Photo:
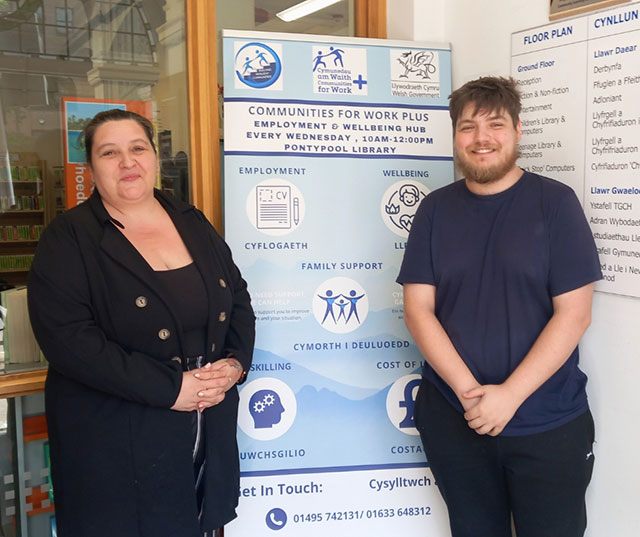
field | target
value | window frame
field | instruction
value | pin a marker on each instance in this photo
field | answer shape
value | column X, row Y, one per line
column 202, row 76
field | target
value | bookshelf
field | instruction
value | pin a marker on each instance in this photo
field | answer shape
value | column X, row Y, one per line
column 26, row 206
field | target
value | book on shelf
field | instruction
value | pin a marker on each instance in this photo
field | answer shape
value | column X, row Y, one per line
column 23, row 173
column 20, row 345
column 16, row 262
column 24, row 232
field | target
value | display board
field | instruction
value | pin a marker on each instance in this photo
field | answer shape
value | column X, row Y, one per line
column 330, row 145
column 580, row 87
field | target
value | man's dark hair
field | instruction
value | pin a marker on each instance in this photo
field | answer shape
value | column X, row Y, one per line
column 490, row 93
column 115, row 114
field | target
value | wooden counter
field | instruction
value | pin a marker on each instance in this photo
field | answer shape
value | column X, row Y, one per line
column 16, row 384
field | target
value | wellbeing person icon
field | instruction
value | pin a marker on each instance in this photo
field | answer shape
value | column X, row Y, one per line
column 409, row 195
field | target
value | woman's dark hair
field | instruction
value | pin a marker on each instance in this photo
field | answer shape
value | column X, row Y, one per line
column 114, row 114
column 489, row 93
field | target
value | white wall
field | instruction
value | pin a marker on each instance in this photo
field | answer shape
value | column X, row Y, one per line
column 480, row 37
column 401, row 27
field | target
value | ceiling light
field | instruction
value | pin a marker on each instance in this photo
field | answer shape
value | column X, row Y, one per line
column 303, row 9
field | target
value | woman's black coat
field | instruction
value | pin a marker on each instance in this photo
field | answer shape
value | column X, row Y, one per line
column 121, row 459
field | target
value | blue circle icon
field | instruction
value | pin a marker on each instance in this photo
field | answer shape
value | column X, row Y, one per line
column 276, row 519
column 257, row 65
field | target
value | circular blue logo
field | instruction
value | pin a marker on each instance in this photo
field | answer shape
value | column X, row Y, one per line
column 257, row 65
column 276, row 519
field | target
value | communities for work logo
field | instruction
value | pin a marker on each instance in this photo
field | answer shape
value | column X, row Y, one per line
column 339, row 71
column 258, row 65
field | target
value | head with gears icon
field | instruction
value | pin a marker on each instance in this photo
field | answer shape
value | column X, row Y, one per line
column 265, row 409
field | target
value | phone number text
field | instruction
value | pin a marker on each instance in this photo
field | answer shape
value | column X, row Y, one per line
column 362, row 514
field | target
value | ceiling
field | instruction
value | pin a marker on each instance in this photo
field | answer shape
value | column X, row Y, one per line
column 333, row 20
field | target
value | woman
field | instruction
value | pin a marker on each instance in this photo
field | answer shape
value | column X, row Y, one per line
column 147, row 327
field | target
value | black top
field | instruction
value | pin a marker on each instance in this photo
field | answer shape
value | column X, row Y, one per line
column 188, row 296
column 497, row 261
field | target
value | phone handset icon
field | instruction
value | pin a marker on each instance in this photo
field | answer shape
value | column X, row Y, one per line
column 276, row 519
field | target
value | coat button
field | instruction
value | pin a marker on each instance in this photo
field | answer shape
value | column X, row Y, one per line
column 177, row 359
column 163, row 333
column 223, row 317
column 222, row 282
column 141, row 301
column 213, row 347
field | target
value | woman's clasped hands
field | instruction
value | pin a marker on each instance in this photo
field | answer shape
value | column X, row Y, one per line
column 206, row 387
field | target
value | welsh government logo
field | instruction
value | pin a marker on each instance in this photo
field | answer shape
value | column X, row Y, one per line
column 340, row 305
column 257, row 65
column 414, row 73
column 399, row 205
column 418, row 63
column 267, row 408
column 401, row 401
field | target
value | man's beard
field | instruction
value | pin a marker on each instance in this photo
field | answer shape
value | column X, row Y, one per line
column 486, row 174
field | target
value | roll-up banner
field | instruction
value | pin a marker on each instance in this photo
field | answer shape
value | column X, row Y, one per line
column 330, row 145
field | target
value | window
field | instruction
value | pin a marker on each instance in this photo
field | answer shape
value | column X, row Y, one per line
column 64, row 18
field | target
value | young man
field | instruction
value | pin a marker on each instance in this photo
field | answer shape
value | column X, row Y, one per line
column 498, row 279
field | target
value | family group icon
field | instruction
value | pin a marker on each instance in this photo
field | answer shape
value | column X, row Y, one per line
column 341, row 302
column 340, row 305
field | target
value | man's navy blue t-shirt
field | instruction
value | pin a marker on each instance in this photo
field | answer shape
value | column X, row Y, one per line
column 496, row 262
